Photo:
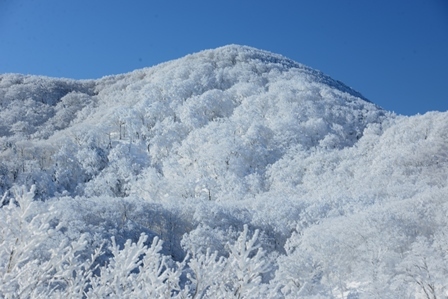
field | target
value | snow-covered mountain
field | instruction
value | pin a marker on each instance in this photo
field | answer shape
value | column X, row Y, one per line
column 219, row 151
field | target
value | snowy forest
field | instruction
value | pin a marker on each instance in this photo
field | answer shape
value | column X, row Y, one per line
column 228, row 173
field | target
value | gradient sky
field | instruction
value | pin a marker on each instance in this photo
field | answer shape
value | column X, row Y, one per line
column 394, row 52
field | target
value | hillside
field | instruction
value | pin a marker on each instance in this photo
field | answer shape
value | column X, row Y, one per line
column 211, row 154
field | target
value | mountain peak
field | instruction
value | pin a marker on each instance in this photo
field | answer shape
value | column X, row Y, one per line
column 223, row 83
column 264, row 61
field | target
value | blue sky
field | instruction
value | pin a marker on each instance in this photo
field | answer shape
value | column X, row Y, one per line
column 394, row 52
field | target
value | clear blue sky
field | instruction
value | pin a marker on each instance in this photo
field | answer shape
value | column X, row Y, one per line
column 394, row 52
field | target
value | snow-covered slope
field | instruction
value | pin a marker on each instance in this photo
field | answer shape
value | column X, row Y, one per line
column 183, row 112
column 194, row 149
